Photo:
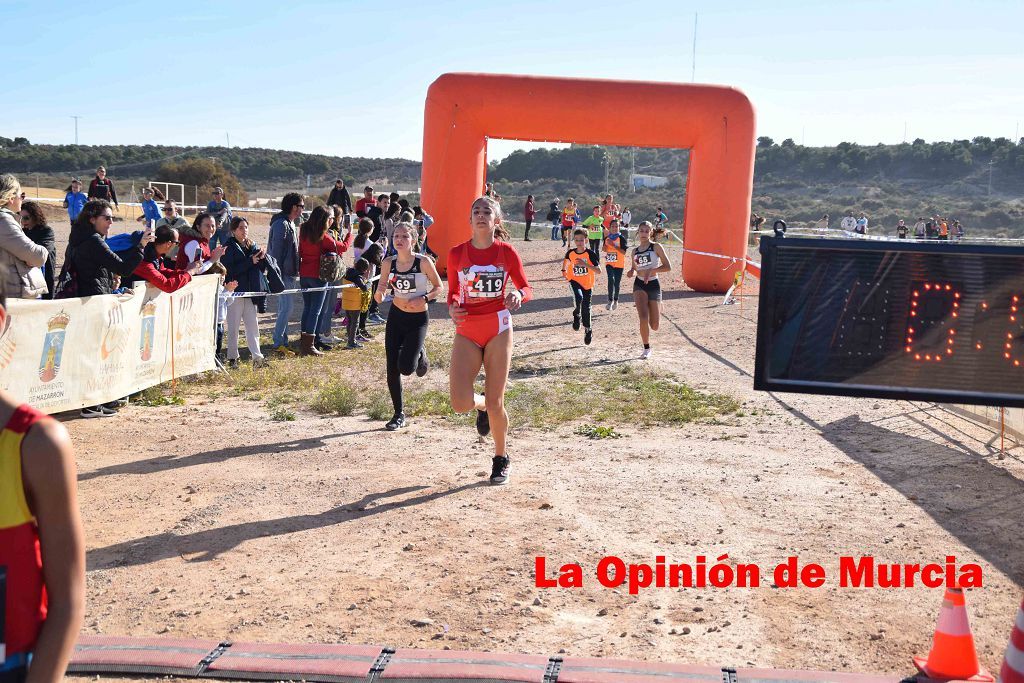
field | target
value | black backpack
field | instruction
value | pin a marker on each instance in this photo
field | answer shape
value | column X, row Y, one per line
column 66, row 285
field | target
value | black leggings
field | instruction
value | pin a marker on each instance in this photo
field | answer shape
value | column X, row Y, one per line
column 528, row 224
column 614, row 281
column 404, row 335
column 582, row 297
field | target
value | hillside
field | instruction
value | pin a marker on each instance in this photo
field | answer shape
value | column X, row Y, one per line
column 978, row 181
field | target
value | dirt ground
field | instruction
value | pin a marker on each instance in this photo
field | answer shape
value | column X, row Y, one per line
column 209, row 520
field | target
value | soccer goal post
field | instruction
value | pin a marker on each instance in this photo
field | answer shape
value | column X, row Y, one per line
column 175, row 191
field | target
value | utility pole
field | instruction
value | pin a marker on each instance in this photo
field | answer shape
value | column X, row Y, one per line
column 228, row 136
column 990, row 165
column 76, row 127
column 693, row 58
column 904, row 131
column 803, row 135
column 606, row 190
column 632, row 168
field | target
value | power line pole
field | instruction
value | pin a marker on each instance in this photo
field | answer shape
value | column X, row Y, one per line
column 606, row 190
column 990, row 164
column 76, row 127
column 693, row 58
column 228, row 136
column 632, row 168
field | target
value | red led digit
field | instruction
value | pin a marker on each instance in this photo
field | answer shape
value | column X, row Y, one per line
column 934, row 308
column 1012, row 351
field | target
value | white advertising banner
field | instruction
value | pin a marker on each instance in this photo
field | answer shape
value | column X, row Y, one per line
column 70, row 353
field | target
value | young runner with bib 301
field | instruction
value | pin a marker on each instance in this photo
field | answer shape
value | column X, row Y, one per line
column 580, row 267
column 648, row 259
column 480, row 301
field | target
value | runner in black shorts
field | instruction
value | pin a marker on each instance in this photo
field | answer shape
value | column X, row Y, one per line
column 646, row 261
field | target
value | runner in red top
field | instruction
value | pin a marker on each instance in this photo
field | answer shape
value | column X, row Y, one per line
column 42, row 549
column 480, row 301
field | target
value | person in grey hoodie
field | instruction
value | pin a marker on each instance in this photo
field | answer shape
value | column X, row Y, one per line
column 283, row 247
column 23, row 257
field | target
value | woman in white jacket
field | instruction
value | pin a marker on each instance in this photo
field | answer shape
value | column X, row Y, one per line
column 23, row 257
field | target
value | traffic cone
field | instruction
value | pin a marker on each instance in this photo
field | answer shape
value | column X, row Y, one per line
column 953, row 657
column 1013, row 660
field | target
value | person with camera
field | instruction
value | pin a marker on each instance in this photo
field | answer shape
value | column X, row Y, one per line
column 244, row 261
column 195, row 244
column 97, row 268
column 155, row 268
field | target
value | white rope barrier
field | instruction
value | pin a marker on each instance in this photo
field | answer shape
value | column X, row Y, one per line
column 181, row 207
column 325, row 288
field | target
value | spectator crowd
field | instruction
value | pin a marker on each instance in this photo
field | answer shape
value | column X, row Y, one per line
column 301, row 262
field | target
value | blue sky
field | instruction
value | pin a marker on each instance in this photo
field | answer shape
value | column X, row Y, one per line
column 350, row 78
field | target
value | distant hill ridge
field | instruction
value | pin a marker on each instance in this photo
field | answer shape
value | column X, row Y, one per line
column 962, row 161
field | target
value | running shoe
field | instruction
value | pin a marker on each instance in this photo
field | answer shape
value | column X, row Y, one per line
column 575, row 321
column 499, row 469
column 608, row 306
column 588, row 336
column 97, row 411
column 232, row 363
column 397, row 422
column 645, row 355
column 376, row 319
column 363, row 336
column 261, row 362
column 354, row 345
column 615, row 304
column 483, row 423
column 422, row 364
column 330, row 339
column 283, row 350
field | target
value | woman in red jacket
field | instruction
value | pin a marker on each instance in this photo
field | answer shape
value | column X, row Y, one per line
column 155, row 268
column 529, row 213
column 480, row 303
column 314, row 242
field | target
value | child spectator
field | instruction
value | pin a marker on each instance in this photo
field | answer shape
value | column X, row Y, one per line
column 74, row 200
column 352, row 298
column 150, row 209
column 219, row 208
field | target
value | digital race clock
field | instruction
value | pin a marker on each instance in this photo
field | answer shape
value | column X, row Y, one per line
column 936, row 321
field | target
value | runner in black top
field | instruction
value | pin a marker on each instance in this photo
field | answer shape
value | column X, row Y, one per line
column 412, row 280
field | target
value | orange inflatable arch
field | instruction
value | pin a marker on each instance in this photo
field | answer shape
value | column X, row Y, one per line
column 716, row 123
